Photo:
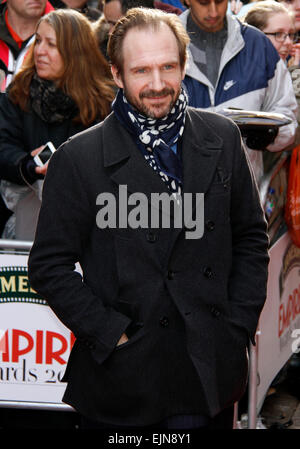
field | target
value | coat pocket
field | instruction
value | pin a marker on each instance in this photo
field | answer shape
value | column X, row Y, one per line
column 221, row 184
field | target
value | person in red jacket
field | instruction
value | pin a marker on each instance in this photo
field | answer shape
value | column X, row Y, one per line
column 18, row 19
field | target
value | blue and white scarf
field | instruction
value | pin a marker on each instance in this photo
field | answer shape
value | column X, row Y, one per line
column 156, row 137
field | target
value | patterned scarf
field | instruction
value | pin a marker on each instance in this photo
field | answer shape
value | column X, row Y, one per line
column 51, row 104
column 155, row 137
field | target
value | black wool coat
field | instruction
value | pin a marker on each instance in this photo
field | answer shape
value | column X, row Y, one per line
column 188, row 305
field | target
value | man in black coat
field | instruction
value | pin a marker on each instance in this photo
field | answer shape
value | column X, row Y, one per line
column 159, row 207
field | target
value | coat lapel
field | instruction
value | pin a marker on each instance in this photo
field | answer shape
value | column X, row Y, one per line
column 201, row 150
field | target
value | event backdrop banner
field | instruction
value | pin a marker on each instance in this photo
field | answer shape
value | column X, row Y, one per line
column 34, row 344
column 279, row 324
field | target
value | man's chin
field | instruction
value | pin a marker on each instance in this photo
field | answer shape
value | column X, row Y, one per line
column 157, row 111
column 157, row 114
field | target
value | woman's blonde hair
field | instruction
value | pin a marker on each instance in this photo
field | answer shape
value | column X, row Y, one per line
column 86, row 76
column 260, row 13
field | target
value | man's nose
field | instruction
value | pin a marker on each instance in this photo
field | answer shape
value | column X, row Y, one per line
column 212, row 9
column 157, row 81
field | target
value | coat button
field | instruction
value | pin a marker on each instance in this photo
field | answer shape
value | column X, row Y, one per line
column 151, row 237
column 171, row 275
column 89, row 344
column 210, row 225
column 215, row 312
column 164, row 321
column 207, row 272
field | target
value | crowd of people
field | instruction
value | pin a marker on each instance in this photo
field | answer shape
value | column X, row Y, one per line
column 46, row 102
column 56, row 82
column 230, row 65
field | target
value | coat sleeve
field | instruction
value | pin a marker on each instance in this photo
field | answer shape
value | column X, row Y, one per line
column 247, row 286
column 65, row 221
column 12, row 146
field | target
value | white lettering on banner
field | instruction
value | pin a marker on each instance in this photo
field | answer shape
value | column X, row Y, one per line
column 296, row 343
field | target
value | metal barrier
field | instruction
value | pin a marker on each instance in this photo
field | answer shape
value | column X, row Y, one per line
column 15, row 245
column 252, row 391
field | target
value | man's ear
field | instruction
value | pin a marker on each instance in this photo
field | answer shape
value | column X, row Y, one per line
column 116, row 76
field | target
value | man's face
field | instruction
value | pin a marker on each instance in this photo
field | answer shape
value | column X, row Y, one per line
column 152, row 74
column 27, row 9
column 112, row 12
column 208, row 14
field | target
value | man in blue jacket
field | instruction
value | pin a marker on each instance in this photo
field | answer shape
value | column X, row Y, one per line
column 235, row 65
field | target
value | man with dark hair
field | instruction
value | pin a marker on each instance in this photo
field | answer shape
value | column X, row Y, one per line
column 159, row 207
